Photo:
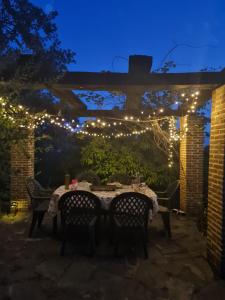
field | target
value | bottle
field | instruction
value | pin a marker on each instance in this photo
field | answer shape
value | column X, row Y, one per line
column 67, row 181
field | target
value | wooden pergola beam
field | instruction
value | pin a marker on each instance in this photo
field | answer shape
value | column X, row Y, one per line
column 122, row 81
column 115, row 113
column 68, row 98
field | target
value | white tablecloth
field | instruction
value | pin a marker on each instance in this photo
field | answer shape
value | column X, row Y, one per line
column 104, row 196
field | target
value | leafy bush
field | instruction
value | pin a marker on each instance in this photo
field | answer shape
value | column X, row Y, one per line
column 120, row 160
column 122, row 178
column 105, row 159
column 159, row 178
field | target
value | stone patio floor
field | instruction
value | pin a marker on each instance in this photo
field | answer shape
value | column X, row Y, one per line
column 176, row 268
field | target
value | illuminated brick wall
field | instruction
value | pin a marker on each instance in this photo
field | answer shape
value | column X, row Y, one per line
column 22, row 166
column 216, row 185
column 191, row 164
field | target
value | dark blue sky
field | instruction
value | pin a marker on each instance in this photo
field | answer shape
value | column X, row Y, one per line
column 101, row 30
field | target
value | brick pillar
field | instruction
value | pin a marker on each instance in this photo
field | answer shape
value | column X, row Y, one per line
column 191, row 164
column 216, row 184
column 22, row 166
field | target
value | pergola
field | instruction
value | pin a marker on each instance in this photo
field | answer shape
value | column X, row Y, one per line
column 134, row 84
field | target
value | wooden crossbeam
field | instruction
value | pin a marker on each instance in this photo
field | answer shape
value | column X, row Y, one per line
column 122, row 81
column 141, row 82
column 114, row 113
column 67, row 97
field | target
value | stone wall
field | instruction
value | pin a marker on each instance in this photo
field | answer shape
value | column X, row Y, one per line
column 191, row 164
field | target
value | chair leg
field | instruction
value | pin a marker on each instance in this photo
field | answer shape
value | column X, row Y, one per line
column 144, row 242
column 63, row 245
column 92, row 240
column 55, row 225
column 166, row 222
column 97, row 231
column 33, row 223
column 40, row 218
column 116, row 241
column 111, row 233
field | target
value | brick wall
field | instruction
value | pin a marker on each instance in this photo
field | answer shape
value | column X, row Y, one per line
column 22, row 166
column 216, row 185
column 191, row 164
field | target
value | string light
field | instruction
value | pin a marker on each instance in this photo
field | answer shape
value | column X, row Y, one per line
column 15, row 112
column 173, row 137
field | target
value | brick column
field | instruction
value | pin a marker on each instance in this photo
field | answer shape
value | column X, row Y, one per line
column 216, row 184
column 191, row 164
column 22, row 166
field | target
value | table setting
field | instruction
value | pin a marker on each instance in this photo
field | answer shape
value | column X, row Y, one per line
column 104, row 192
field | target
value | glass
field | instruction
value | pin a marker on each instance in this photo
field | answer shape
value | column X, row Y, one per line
column 67, row 181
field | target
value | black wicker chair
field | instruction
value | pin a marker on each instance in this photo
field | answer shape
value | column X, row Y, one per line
column 79, row 209
column 167, row 200
column 40, row 198
column 129, row 213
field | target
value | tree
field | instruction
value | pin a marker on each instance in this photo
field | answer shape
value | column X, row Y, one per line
column 30, row 49
column 30, row 53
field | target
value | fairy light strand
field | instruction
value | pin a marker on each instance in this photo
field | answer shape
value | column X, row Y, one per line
column 21, row 116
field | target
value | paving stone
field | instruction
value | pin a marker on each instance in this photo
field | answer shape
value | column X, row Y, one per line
column 26, row 290
column 78, row 274
column 114, row 266
column 201, row 265
column 215, row 291
column 152, row 275
column 136, row 291
column 179, row 289
column 24, row 273
column 4, row 293
column 112, row 288
column 176, row 268
column 168, row 247
column 53, row 268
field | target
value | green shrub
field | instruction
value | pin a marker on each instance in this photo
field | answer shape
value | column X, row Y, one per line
column 122, row 178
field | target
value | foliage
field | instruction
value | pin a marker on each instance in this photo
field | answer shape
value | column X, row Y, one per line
column 56, row 155
column 30, row 49
column 122, row 178
column 125, row 158
column 104, row 159
column 89, row 176
column 30, row 53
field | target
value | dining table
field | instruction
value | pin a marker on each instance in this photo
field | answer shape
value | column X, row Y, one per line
column 104, row 196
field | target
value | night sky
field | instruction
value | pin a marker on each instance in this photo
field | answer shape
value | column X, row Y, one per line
column 104, row 33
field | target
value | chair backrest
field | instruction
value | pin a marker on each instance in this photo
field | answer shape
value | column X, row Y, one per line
column 80, row 203
column 33, row 187
column 172, row 188
column 130, row 205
